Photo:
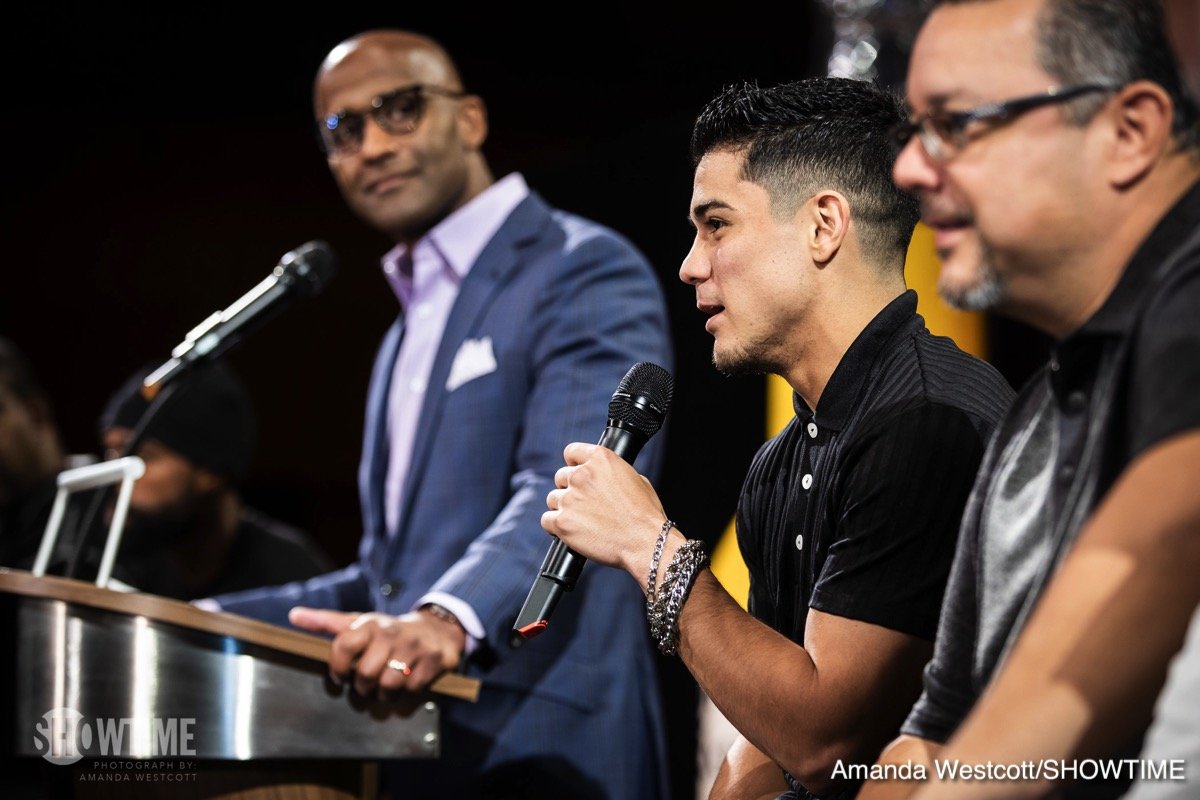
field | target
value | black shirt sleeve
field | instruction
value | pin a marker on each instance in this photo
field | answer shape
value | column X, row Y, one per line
column 949, row 688
column 1165, row 386
column 901, row 494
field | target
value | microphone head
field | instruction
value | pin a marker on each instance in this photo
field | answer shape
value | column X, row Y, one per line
column 643, row 398
column 309, row 267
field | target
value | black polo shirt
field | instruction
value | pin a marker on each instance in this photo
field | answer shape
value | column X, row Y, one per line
column 1126, row 380
column 853, row 509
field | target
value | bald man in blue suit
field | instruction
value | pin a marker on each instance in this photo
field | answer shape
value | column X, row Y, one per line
column 518, row 321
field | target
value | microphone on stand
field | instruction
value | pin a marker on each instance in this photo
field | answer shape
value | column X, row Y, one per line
column 635, row 413
column 302, row 272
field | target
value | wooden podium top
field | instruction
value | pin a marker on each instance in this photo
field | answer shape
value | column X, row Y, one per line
column 177, row 612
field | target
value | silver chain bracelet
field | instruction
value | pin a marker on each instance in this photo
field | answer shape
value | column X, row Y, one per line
column 652, row 579
column 663, row 613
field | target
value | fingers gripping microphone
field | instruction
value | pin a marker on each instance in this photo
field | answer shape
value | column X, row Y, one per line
column 303, row 272
column 635, row 413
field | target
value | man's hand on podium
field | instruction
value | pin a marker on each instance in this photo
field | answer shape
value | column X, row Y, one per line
column 384, row 653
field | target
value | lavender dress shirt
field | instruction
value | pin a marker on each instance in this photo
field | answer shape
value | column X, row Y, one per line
column 426, row 279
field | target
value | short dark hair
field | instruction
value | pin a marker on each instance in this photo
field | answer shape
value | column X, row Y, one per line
column 1113, row 42
column 816, row 133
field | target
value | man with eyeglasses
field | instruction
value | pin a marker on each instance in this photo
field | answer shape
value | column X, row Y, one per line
column 1057, row 160
column 847, row 518
column 517, row 323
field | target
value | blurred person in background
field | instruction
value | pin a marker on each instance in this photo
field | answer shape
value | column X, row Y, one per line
column 189, row 534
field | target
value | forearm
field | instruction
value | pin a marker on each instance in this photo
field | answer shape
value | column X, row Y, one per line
column 747, row 774
column 763, row 683
column 494, row 574
column 904, row 751
column 769, row 688
column 1093, row 693
column 1083, row 677
column 345, row 589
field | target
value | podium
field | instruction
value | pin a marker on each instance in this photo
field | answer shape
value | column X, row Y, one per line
column 133, row 681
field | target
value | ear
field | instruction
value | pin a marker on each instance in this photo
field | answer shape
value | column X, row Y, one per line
column 472, row 121
column 828, row 215
column 1140, row 120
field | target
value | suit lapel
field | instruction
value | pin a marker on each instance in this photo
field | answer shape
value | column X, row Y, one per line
column 376, row 446
column 499, row 259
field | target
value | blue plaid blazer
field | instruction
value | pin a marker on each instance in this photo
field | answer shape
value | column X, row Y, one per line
column 568, row 306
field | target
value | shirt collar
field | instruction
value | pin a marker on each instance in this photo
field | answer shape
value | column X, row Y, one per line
column 459, row 239
column 844, row 386
column 1118, row 313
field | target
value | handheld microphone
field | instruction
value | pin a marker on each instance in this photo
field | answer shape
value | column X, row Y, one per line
column 302, row 272
column 635, row 413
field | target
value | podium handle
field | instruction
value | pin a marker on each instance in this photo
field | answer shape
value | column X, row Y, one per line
column 454, row 685
column 451, row 684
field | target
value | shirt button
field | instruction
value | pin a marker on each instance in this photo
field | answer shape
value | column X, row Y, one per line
column 812, row 430
column 1066, row 472
column 800, row 542
column 424, row 310
column 806, row 481
column 389, row 268
column 1076, row 402
column 389, row 588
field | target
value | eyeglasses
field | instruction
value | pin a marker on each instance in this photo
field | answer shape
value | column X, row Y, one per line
column 397, row 112
column 944, row 133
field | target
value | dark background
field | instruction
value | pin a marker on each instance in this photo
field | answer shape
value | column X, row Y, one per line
column 161, row 160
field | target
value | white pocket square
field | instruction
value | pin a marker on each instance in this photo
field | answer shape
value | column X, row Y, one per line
column 474, row 359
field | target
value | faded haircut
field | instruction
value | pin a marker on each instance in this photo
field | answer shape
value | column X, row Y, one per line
column 818, row 133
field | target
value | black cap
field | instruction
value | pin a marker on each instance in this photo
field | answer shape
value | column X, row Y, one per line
column 209, row 418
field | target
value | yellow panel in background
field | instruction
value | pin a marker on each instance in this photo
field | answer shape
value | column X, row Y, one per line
column 965, row 328
column 729, row 568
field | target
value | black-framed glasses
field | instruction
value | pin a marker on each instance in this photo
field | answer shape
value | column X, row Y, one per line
column 945, row 133
column 398, row 112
